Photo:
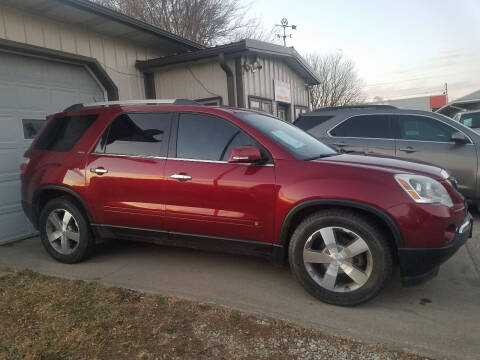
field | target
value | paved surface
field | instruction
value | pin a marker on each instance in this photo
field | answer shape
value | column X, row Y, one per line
column 440, row 318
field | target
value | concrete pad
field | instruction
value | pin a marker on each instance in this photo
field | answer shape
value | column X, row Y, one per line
column 440, row 318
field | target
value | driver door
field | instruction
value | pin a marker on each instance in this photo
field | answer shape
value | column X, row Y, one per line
column 208, row 196
column 429, row 140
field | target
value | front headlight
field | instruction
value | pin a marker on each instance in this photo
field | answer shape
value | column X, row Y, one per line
column 423, row 189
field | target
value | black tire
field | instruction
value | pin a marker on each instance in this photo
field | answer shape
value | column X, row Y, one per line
column 86, row 243
column 381, row 255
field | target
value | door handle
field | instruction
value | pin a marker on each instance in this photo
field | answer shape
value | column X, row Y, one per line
column 339, row 144
column 408, row 149
column 99, row 171
column 181, row 177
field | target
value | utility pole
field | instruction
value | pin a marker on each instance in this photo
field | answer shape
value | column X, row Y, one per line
column 445, row 92
column 284, row 25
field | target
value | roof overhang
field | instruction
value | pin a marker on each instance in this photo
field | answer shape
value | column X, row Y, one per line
column 100, row 19
column 288, row 54
column 458, row 106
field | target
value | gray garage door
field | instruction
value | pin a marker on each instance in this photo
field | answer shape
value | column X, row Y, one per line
column 31, row 88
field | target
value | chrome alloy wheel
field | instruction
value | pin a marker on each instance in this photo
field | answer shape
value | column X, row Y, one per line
column 337, row 259
column 62, row 231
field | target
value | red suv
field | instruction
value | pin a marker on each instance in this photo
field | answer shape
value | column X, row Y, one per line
column 243, row 182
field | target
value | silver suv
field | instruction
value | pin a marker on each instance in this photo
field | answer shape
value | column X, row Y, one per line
column 409, row 134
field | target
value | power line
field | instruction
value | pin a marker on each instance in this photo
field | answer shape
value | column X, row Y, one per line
column 406, row 95
column 414, row 79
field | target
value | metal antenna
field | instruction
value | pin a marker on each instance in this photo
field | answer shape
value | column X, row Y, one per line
column 284, row 25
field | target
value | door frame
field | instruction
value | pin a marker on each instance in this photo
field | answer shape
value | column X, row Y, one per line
column 287, row 107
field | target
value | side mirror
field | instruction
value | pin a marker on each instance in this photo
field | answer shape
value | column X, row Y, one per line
column 247, row 154
column 459, row 138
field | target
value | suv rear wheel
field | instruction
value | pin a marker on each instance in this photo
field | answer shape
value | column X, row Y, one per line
column 340, row 257
column 64, row 231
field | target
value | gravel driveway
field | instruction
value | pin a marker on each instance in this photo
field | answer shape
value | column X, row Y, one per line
column 440, row 318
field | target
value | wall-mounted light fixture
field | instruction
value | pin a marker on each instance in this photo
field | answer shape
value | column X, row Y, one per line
column 252, row 66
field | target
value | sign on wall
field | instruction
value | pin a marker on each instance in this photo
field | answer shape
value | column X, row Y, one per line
column 282, row 91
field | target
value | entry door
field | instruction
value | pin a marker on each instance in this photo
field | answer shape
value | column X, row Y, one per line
column 370, row 134
column 126, row 172
column 282, row 111
column 206, row 195
column 427, row 139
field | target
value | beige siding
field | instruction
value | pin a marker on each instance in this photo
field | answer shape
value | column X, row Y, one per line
column 193, row 81
column 260, row 83
column 116, row 56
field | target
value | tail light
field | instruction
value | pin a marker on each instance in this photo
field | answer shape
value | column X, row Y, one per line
column 23, row 166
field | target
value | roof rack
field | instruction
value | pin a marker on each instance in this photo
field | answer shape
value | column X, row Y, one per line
column 356, row 107
column 133, row 102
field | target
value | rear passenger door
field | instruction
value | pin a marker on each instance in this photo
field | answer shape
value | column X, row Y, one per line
column 125, row 172
column 427, row 139
column 368, row 134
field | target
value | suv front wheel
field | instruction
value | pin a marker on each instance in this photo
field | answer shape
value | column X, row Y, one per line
column 340, row 257
column 64, row 231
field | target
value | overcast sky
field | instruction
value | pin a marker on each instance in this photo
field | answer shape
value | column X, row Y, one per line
column 401, row 48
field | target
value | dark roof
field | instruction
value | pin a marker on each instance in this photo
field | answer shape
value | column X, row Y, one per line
column 468, row 102
column 103, row 20
column 287, row 54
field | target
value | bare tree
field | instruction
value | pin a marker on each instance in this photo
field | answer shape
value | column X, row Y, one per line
column 339, row 82
column 207, row 22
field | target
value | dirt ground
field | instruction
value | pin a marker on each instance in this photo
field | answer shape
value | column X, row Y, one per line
column 43, row 317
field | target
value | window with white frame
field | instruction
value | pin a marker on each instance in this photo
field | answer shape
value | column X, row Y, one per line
column 213, row 101
column 260, row 104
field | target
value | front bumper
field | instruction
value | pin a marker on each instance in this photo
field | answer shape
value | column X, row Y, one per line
column 419, row 265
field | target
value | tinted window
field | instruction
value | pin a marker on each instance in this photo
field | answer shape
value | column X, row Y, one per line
column 471, row 120
column 31, row 127
column 238, row 139
column 307, row 122
column 365, row 126
column 423, row 128
column 296, row 141
column 136, row 134
column 61, row 134
column 205, row 137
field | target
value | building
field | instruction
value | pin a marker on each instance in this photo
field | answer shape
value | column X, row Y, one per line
column 248, row 73
column 55, row 53
column 466, row 103
column 425, row 103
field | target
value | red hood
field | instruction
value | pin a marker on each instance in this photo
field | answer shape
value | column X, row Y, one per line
column 386, row 164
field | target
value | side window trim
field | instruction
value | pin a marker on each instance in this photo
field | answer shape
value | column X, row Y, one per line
column 164, row 147
column 172, row 147
column 429, row 141
column 354, row 137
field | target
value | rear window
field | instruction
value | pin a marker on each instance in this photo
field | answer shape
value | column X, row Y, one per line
column 308, row 122
column 62, row 133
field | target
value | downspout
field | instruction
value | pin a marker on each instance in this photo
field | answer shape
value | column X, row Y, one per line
column 239, row 82
column 230, row 82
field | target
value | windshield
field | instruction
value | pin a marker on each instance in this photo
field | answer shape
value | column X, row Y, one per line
column 471, row 120
column 296, row 141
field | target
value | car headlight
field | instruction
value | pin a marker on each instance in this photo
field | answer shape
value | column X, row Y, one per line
column 423, row 189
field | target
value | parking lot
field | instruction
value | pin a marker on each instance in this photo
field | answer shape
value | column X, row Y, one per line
column 440, row 318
